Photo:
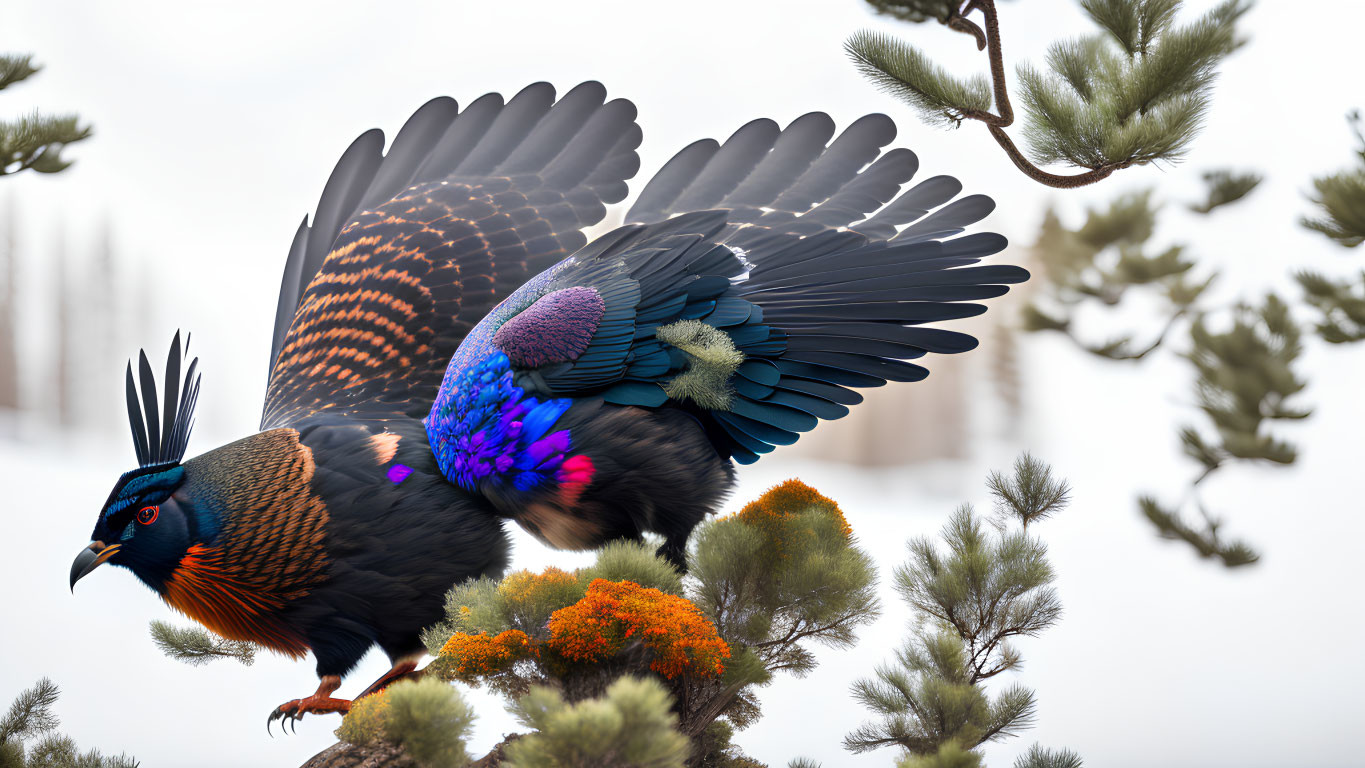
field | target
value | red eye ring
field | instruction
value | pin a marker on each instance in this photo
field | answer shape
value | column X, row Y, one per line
column 147, row 515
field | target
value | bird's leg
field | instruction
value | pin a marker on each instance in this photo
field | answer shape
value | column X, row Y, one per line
column 320, row 703
column 674, row 550
column 403, row 669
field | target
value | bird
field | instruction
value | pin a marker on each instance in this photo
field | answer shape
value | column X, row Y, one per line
column 450, row 352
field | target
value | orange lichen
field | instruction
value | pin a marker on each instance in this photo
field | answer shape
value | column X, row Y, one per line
column 613, row 613
column 523, row 591
column 771, row 513
column 471, row 656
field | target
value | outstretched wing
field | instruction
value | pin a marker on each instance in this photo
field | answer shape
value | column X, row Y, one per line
column 409, row 250
column 813, row 276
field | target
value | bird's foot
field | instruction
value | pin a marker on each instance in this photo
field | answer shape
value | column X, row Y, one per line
column 320, row 703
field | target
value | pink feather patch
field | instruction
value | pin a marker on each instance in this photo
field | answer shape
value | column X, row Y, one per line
column 574, row 475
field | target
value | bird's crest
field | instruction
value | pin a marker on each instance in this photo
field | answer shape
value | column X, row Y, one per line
column 162, row 438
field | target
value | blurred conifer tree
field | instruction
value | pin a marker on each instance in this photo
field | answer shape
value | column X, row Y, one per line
column 1340, row 199
column 1245, row 357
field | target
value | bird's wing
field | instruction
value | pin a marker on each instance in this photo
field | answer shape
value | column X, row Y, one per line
column 815, row 277
column 409, row 249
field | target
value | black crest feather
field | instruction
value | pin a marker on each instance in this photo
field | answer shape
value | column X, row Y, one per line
column 160, row 435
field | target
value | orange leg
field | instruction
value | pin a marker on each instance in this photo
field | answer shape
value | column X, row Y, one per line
column 403, row 669
column 319, row 703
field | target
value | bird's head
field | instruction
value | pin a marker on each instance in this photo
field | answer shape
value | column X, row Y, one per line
column 148, row 522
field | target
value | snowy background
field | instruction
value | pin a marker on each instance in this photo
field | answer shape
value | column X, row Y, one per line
column 217, row 124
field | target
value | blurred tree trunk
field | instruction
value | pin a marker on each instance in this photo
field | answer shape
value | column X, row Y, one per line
column 63, row 311
column 9, row 275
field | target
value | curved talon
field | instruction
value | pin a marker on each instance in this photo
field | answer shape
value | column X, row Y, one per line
column 287, row 715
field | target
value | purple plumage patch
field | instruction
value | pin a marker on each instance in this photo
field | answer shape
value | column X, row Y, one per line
column 555, row 329
column 398, row 473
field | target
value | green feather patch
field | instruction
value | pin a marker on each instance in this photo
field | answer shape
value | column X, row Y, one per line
column 711, row 360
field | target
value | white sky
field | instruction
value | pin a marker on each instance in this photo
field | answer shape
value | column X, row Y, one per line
column 217, row 124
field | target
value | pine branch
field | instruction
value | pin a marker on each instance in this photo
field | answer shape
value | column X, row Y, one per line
column 1032, row 494
column 31, row 713
column 905, row 72
column 1135, row 95
column 1341, row 304
column 14, row 69
column 1038, row 757
column 1225, row 187
column 196, row 647
column 34, row 142
column 1102, row 262
column 1207, row 541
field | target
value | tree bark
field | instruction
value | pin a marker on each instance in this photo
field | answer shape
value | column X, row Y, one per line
column 387, row 755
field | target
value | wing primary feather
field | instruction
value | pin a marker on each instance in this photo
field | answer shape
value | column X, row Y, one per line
column 462, row 136
column 656, row 201
column 559, row 129
column 735, row 159
column 291, row 289
column 513, row 124
column 409, row 149
column 800, row 143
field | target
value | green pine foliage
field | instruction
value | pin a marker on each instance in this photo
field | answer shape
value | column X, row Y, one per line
column 1246, row 379
column 1340, row 304
column 196, row 647
column 35, row 141
column 30, row 719
column 916, row 11
column 973, row 595
column 1340, row 198
column 1224, row 188
column 1038, row 757
column 781, row 575
column 950, row 755
column 632, row 561
column 1134, row 93
column 427, row 719
column 631, row 726
column 1029, row 494
column 1245, row 357
column 1104, row 262
column 431, row 721
column 906, row 73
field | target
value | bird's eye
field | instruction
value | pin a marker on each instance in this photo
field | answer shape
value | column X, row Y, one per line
column 147, row 515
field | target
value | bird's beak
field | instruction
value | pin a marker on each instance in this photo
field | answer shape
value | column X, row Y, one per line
column 91, row 558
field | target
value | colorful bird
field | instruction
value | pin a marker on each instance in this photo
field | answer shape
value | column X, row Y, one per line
column 450, row 352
